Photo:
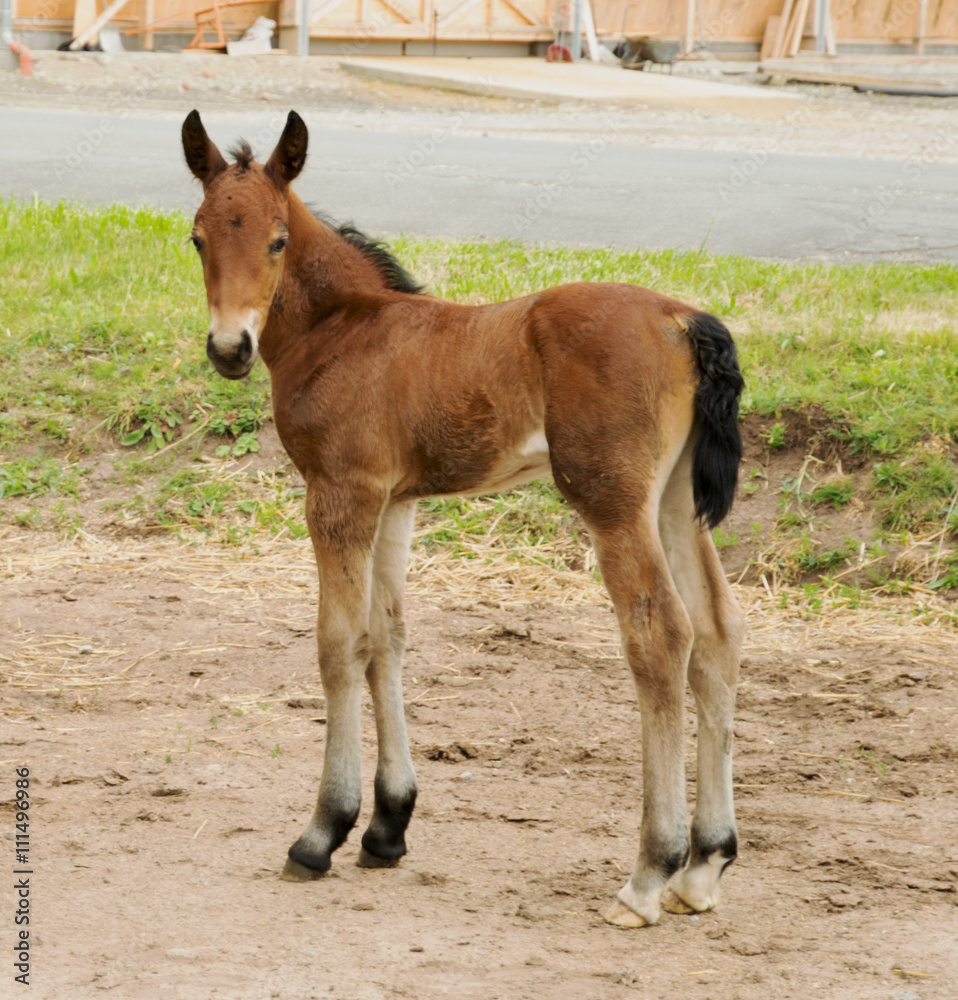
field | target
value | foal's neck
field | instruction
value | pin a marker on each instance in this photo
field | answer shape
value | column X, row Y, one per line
column 321, row 273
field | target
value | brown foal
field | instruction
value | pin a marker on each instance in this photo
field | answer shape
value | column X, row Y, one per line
column 382, row 395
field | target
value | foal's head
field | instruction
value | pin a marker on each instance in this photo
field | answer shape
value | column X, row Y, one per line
column 241, row 232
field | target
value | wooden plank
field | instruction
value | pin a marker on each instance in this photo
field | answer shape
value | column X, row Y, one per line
column 84, row 14
column 91, row 31
column 591, row 42
column 770, row 38
column 780, row 41
column 522, row 11
column 799, row 18
column 792, row 70
column 315, row 13
column 458, row 11
column 830, row 48
column 149, row 16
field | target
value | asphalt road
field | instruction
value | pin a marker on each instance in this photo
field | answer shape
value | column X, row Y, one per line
column 469, row 186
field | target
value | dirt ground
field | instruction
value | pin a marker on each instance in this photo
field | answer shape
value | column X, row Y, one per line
column 166, row 700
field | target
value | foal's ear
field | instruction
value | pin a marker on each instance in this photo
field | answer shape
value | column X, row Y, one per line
column 202, row 156
column 288, row 157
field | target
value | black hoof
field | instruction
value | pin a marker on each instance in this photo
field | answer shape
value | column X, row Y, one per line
column 303, row 856
column 367, row 860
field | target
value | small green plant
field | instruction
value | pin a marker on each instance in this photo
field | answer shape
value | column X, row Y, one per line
column 277, row 750
column 157, row 423
column 837, row 492
column 241, row 424
column 724, row 539
column 169, row 758
column 245, row 443
column 237, row 422
column 813, row 558
column 947, row 578
column 29, row 519
column 237, row 711
column 69, row 522
column 775, row 436
column 214, row 721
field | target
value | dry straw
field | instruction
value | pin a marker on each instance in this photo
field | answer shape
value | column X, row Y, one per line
column 513, row 576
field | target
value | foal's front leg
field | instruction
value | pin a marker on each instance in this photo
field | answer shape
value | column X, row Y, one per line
column 344, row 651
column 384, row 842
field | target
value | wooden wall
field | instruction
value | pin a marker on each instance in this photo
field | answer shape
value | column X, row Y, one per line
column 58, row 14
column 507, row 20
column 744, row 20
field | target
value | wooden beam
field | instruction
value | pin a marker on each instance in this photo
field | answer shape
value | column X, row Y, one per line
column 93, row 29
column 149, row 13
column 458, row 11
column 780, row 41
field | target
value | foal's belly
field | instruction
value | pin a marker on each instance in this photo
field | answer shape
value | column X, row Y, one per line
column 471, row 471
column 528, row 460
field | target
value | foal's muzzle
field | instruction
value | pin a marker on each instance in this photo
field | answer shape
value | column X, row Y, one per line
column 235, row 362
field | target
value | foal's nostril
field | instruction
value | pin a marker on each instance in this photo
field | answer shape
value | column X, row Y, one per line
column 245, row 349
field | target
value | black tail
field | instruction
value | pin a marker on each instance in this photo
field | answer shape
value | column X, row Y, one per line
column 718, row 449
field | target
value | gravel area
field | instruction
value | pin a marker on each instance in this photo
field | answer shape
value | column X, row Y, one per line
column 830, row 121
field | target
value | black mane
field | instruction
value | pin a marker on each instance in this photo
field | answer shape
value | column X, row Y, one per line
column 395, row 275
column 397, row 278
column 242, row 153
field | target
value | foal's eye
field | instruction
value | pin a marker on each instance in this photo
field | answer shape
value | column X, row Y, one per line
column 279, row 245
column 197, row 243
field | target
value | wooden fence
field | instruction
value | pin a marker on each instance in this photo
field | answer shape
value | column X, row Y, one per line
column 726, row 21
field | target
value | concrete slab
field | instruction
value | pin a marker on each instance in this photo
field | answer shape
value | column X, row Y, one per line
column 536, row 79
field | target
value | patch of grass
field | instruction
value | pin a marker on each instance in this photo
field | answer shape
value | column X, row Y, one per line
column 814, row 558
column 103, row 323
column 837, row 492
column 724, row 539
column 913, row 490
column 36, row 476
column 231, row 506
column 532, row 524
column 103, row 319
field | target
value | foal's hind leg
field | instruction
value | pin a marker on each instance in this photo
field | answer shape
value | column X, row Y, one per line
column 656, row 636
column 395, row 785
column 718, row 628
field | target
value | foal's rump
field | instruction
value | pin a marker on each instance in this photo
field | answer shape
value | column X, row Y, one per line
column 629, row 377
